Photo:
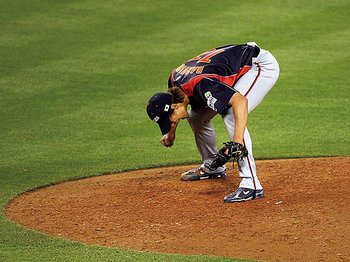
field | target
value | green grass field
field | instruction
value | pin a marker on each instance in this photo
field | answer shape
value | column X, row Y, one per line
column 75, row 77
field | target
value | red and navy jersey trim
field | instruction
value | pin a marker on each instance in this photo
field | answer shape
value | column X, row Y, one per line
column 230, row 80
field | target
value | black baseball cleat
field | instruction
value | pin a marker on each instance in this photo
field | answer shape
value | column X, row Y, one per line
column 244, row 194
column 198, row 174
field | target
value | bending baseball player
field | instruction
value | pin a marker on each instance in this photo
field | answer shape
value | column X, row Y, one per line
column 230, row 81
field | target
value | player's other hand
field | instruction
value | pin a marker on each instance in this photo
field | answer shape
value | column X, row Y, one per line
column 168, row 139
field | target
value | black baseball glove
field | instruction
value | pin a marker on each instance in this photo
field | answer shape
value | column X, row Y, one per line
column 231, row 149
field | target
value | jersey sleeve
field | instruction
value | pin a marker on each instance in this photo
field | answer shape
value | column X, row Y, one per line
column 214, row 94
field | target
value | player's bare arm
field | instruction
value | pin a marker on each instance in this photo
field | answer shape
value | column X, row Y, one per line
column 239, row 105
column 168, row 139
column 234, row 150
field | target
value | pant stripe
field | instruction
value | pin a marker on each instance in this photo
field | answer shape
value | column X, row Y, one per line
column 250, row 88
column 251, row 170
column 256, row 78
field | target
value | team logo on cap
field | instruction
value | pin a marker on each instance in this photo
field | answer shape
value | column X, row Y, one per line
column 166, row 108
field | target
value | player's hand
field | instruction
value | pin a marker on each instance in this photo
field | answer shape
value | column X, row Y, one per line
column 168, row 139
column 230, row 150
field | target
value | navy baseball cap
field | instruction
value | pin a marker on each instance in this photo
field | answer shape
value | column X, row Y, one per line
column 159, row 110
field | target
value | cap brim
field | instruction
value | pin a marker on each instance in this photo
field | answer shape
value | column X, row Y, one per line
column 164, row 125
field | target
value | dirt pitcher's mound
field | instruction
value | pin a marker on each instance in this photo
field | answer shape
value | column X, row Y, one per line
column 304, row 217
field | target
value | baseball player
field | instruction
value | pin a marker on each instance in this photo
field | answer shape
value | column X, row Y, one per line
column 229, row 81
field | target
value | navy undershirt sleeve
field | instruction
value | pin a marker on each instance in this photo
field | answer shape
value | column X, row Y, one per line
column 213, row 94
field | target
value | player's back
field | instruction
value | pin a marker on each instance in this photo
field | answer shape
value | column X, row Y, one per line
column 221, row 61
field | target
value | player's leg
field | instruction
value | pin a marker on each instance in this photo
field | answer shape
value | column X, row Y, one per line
column 247, row 168
column 205, row 137
column 255, row 85
column 203, row 130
